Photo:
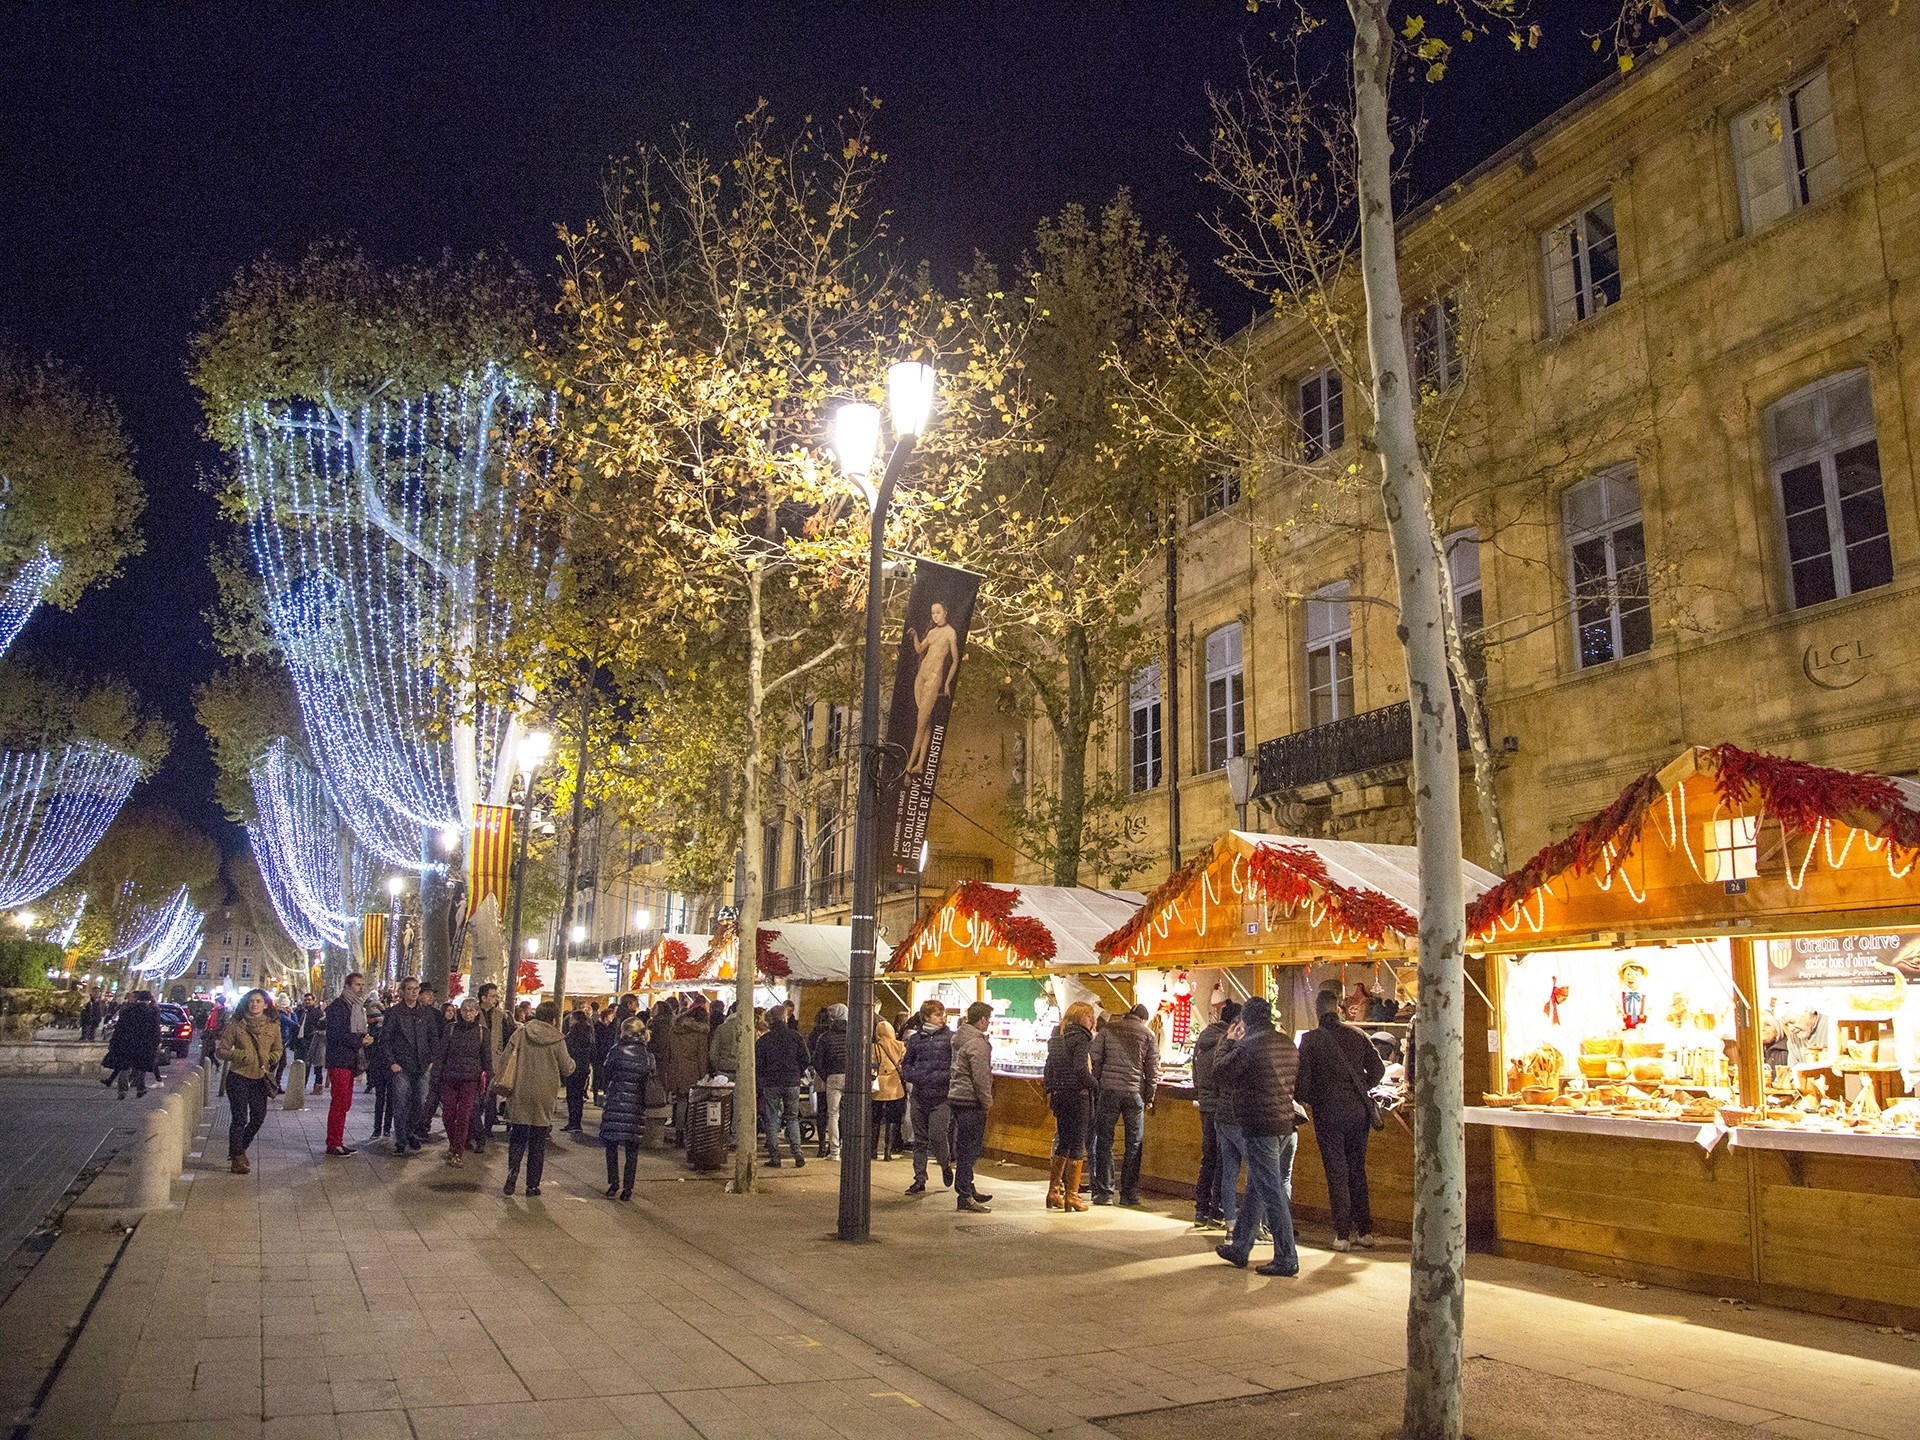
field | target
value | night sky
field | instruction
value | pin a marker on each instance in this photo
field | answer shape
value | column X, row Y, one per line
column 148, row 152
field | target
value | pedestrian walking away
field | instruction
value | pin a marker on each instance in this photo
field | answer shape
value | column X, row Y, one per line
column 830, row 1064
column 889, row 1102
column 1257, row 1065
column 627, row 1067
column 970, row 1093
column 348, row 1038
column 411, row 1034
column 1068, row 1078
column 460, row 1064
column 91, row 1014
column 536, row 1065
column 133, row 1049
column 251, row 1047
column 582, row 1039
column 1208, row 1213
column 686, row 1065
column 1126, row 1063
column 780, row 1068
column 928, row 1071
column 1338, row 1066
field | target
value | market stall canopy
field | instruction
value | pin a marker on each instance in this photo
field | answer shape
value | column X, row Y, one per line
column 1278, row 899
column 986, row 929
column 673, row 959
column 808, row 954
column 1722, row 840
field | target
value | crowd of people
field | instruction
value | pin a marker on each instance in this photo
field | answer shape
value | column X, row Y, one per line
column 478, row 1064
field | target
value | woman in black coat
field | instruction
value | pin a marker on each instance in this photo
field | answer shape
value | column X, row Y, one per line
column 1070, row 1090
column 133, row 1050
column 628, row 1065
column 580, row 1045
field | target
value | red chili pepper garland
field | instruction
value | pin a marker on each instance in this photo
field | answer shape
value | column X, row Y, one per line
column 767, row 960
column 1291, row 874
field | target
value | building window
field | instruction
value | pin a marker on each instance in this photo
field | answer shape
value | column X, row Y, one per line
column 1583, row 266
column 227, row 940
column 1786, row 152
column 1436, row 354
column 1221, row 492
column 769, row 854
column 200, row 968
column 226, row 968
column 1323, row 415
column 246, row 942
column 1469, row 612
column 836, row 730
column 1143, row 730
column 1826, row 463
column 797, row 866
column 1329, row 655
column 826, row 844
column 246, row 968
column 1226, row 697
column 1607, row 550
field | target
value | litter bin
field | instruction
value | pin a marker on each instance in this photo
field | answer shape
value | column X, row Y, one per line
column 709, row 1121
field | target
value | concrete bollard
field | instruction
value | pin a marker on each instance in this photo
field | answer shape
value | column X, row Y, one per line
column 176, row 1108
column 296, row 1096
column 156, row 1160
column 192, row 1086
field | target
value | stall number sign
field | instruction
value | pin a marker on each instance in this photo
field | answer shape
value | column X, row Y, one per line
column 1833, row 960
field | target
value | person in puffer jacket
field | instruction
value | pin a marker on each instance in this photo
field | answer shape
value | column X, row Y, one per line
column 1258, row 1067
column 1126, row 1066
column 1207, row 1211
column 927, row 1071
column 1069, row 1081
column 830, row 1064
column 622, row 1120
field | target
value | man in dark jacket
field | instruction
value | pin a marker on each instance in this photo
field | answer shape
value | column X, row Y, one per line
column 830, row 1064
column 1126, row 1066
column 1258, row 1066
column 970, row 1093
column 347, row 1040
column 410, row 1032
column 928, row 1069
column 779, row 1069
column 1207, row 1211
column 498, row 1024
column 90, row 1016
column 1338, row 1065
column 134, row 1047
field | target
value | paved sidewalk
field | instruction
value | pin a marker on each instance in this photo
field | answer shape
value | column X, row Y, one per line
column 378, row 1297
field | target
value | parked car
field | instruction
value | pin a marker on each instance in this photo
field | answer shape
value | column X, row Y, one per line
column 176, row 1029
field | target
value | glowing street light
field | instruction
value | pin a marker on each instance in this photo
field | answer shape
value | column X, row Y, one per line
column 910, row 389
column 643, row 919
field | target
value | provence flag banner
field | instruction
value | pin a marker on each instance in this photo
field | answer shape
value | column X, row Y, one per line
column 373, row 941
column 489, row 854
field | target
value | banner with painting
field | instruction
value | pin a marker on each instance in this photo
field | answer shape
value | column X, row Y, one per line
column 939, row 613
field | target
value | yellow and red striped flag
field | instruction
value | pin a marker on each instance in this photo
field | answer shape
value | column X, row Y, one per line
column 489, row 854
column 373, row 941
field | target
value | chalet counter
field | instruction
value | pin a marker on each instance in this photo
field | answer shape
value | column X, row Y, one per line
column 1803, row 1219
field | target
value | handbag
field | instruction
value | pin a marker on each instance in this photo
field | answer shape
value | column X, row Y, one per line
column 509, row 1075
column 1376, row 1117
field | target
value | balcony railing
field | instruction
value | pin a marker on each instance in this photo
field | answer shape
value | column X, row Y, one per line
column 827, row 891
column 1355, row 745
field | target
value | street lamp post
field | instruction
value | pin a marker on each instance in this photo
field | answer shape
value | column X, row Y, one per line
column 394, row 883
column 533, row 750
column 856, row 446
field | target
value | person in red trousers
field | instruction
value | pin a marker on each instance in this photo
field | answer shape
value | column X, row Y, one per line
column 348, row 1037
column 463, row 1057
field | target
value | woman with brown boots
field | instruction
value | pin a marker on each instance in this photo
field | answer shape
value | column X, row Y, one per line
column 1069, row 1081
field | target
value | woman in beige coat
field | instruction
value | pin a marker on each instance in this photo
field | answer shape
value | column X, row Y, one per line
column 250, row 1045
column 535, row 1065
column 889, row 1091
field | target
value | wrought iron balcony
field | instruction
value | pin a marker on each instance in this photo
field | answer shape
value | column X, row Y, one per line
column 1355, row 745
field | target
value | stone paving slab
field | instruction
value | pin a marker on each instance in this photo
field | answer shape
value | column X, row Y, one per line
column 379, row 1297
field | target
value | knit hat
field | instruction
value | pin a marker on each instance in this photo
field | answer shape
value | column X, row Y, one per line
column 1257, row 1012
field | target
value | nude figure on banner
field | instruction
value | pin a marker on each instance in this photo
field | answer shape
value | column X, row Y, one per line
column 939, row 652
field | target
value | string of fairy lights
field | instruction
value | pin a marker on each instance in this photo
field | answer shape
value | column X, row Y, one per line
column 54, row 807
column 159, row 942
column 24, row 594
column 389, row 551
column 296, row 839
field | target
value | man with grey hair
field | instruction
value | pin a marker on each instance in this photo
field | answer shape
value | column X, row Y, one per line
column 970, row 1094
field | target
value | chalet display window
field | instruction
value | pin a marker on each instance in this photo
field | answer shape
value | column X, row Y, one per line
column 1226, row 697
column 1826, row 469
column 1583, row 266
column 1323, row 414
column 1329, row 655
column 1144, row 761
column 1607, row 555
column 1786, row 152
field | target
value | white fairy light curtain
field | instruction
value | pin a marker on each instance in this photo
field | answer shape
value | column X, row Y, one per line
column 54, row 807
column 391, row 551
column 159, row 942
column 296, row 840
column 24, row 594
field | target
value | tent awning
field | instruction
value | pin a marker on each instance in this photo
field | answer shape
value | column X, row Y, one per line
column 983, row 928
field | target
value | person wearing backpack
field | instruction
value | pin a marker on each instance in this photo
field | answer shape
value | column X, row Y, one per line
column 1338, row 1065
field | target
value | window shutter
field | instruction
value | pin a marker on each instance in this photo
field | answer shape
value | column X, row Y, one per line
column 1760, row 146
column 1562, row 285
